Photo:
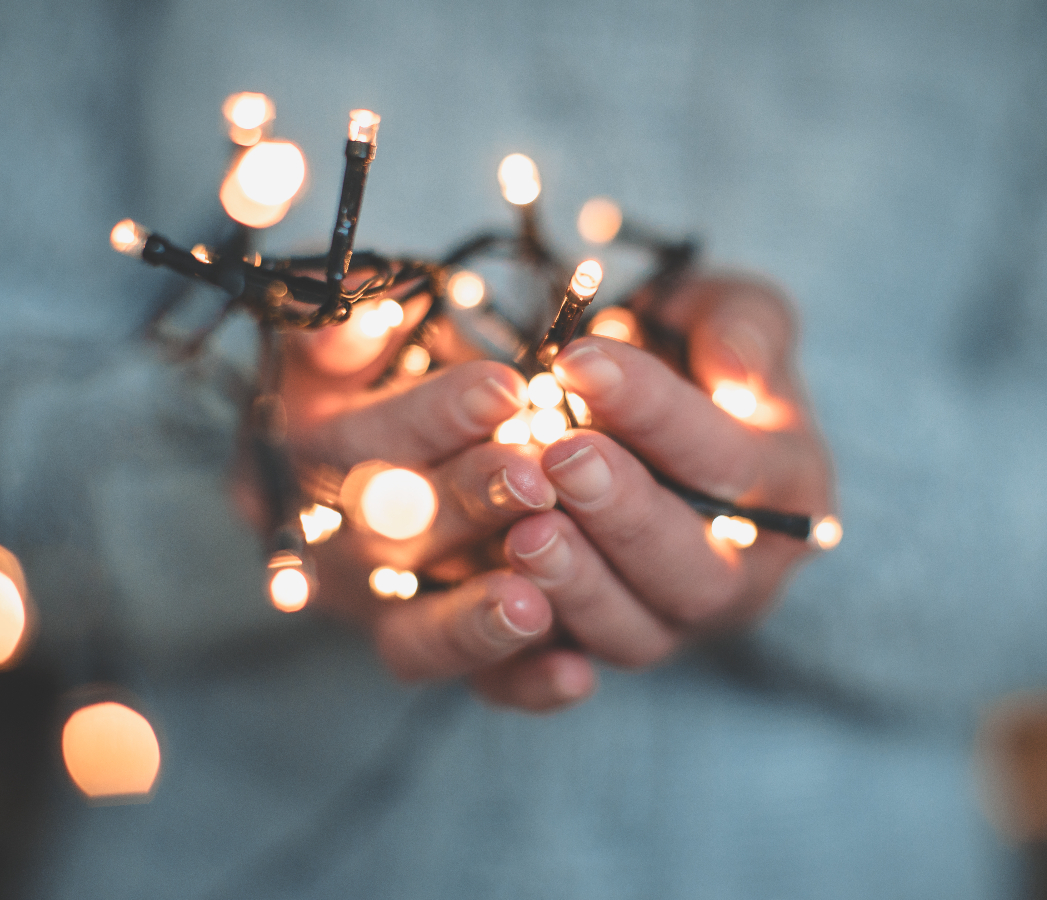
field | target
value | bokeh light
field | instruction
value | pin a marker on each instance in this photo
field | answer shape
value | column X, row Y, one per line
column 128, row 237
column 111, row 752
column 398, row 504
column 544, row 390
column 518, row 178
column 12, row 618
column 465, row 289
column 599, row 220
column 735, row 530
column 827, row 533
column 735, row 400
column 587, row 278
column 618, row 324
column 548, row 425
column 271, row 172
column 319, row 523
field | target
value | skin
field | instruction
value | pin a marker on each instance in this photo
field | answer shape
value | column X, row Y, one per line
column 621, row 570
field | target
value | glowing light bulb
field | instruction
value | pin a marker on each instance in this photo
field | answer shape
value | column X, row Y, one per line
column 580, row 409
column 248, row 110
column 387, row 582
column 111, row 752
column 415, row 360
column 406, row 585
column 201, row 252
column 735, row 530
column 516, row 430
column 466, row 289
column 548, row 425
column 616, row 323
column 12, row 618
column 544, row 390
column 398, row 504
column 735, row 400
column 289, row 589
column 363, row 125
column 384, row 581
column 827, row 533
column 518, row 178
column 319, row 522
column 128, row 237
column 599, row 220
column 587, row 278
column 271, row 172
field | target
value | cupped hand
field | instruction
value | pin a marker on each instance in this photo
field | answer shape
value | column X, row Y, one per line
column 632, row 572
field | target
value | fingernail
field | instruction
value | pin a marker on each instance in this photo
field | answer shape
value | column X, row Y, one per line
column 588, row 370
column 502, row 622
column 584, row 476
column 550, row 560
column 488, row 402
column 521, row 492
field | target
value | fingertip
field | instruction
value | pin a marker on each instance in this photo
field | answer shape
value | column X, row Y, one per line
column 522, row 609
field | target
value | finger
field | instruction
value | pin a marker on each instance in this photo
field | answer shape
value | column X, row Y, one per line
column 541, row 681
column 591, row 602
column 475, row 625
column 425, row 424
column 663, row 417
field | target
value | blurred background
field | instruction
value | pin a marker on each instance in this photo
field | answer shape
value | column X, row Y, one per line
column 885, row 162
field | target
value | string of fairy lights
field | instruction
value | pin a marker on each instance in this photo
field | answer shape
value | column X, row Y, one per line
column 110, row 749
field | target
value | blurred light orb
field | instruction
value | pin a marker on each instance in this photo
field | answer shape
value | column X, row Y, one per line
column 363, row 125
column 466, row 289
column 398, row 504
column 415, row 360
column 548, row 425
column 378, row 317
column 128, row 237
column 544, row 390
column 248, row 110
column 516, row 430
column 827, row 533
column 111, row 752
column 599, row 220
column 518, row 178
column 289, row 589
column 735, row 530
column 616, row 323
column 580, row 409
column 587, row 278
column 12, row 618
column 271, row 172
column 735, row 400
column 319, row 523
column 387, row 582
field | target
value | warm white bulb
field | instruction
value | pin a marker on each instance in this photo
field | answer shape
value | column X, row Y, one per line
column 827, row 533
column 319, row 522
column 516, row 430
column 466, row 289
column 363, row 125
column 518, row 178
column 599, row 220
column 12, row 618
column 579, row 409
column 587, row 278
column 616, row 323
column 271, row 172
column 248, row 110
column 544, row 390
column 548, row 425
column 128, row 237
column 384, row 581
column 406, row 585
column 289, row 589
column 415, row 360
column 734, row 530
column 398, row 504
column 111, row 752
column 735, row 400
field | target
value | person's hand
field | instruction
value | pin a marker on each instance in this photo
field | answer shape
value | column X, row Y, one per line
column 630, row 569
column 440, row 428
